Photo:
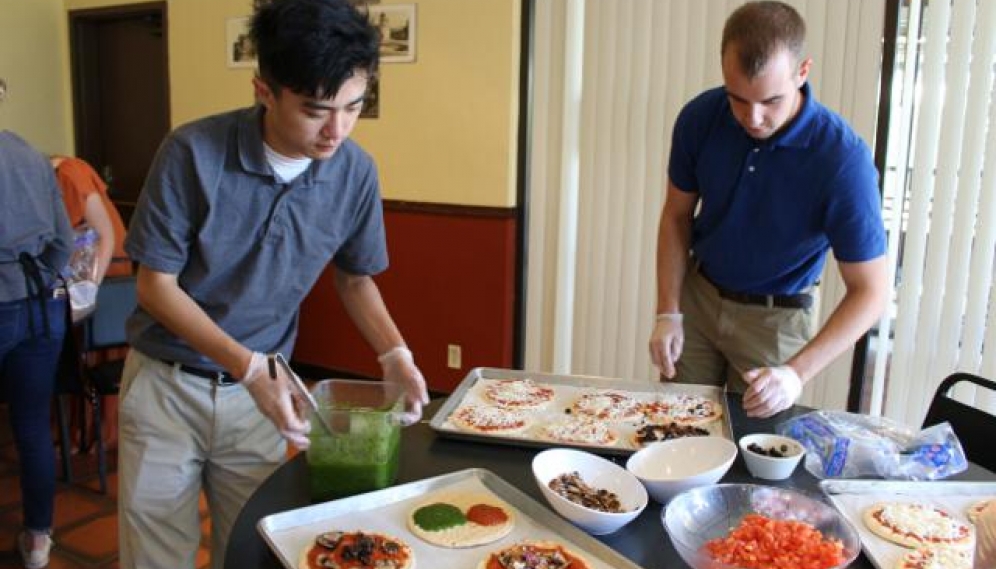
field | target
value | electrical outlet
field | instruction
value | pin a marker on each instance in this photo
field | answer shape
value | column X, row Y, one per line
column 453, row 356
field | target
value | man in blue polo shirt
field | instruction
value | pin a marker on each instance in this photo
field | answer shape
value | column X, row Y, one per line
column 240, row 214
column 763, row 180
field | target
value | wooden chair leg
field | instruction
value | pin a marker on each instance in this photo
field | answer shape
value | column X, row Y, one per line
column 99, row 439
column 65, row 445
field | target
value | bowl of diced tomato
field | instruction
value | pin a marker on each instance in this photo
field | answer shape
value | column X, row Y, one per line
column 749, row 526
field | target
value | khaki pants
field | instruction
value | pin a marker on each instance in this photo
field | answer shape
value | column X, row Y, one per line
column 723, row 339
column 179, row 434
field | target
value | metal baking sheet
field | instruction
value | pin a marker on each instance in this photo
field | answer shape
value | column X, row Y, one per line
column 851, row 497
column 386, row 511
column 567, row 388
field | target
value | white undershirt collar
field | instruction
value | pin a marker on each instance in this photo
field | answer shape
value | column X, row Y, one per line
column 285, row 168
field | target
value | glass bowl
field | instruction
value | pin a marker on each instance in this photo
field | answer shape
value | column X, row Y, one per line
column 696, row 516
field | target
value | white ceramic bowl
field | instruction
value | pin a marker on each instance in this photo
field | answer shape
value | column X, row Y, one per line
column 597, row 472
column 771, row 467
column 667, row 468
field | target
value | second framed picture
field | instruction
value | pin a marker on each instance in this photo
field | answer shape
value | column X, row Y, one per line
column 396, row 23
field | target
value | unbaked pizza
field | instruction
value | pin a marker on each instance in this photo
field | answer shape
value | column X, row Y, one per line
column 651, row 433
column 607, row 405
column 534, row 555
column 489, row 420
column 580, row 430
column 913, row 524
column 975, row 509
column 461, row 519
column 936, row 558
column 356, row 550
column 518, row 393
column 681, row 408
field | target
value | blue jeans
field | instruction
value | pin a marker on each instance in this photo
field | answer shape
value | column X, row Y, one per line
column 28, row 364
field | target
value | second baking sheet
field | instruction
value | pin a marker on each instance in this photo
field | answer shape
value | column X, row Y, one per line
column 567, row 389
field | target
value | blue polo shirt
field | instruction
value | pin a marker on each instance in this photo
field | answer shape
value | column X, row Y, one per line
column 246, row 247
column 770, row 209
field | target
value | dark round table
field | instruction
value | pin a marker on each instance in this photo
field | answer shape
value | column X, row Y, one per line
column 425, row 454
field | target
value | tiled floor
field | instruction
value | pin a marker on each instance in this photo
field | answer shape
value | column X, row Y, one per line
column 86, row 521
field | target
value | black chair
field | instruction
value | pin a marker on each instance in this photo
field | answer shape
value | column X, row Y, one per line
column 105, row 329
column 973, row 426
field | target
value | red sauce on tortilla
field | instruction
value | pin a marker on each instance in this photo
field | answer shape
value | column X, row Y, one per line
column 486, row 515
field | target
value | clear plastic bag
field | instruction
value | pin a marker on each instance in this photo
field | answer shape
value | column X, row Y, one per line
column 81, row 274
column 849, row 445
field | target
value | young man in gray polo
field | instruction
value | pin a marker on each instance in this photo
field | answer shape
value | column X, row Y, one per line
column 240, row 214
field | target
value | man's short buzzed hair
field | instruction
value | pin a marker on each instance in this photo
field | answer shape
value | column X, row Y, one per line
column 758, row 30
column 311, row 47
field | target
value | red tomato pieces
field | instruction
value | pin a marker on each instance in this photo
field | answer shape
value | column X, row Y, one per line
column 760, row 542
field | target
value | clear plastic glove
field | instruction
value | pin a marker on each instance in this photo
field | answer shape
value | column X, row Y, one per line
column 985, row 538
column 771, row 389
column 274, row 399
column 398, row 366
column 666, row 343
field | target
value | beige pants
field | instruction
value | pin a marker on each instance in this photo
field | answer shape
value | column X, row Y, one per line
column 179, row 434
column 723, row 338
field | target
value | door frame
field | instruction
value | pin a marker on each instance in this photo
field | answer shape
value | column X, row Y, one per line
column 82, row 48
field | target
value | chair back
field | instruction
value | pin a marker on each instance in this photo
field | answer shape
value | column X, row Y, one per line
column 973, row 426
column 116, row 300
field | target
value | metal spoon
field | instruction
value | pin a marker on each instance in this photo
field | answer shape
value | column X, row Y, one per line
column 302, row 390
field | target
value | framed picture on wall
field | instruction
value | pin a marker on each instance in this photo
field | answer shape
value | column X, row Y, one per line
column 396, row 23
column 371, row 103
column 239, row 47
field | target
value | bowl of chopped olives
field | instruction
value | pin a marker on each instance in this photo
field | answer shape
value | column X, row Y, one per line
column 771, row 457
column 593, row 493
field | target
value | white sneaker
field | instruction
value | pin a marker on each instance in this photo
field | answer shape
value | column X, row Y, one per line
column 37, row 558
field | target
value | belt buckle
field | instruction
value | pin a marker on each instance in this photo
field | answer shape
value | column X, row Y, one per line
column 58, row 292
column 222, row 379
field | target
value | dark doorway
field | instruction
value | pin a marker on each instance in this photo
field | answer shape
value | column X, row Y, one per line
column 120, row 92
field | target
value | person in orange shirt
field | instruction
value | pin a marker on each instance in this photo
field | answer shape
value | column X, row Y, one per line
column 86, row 200
column 85, row 196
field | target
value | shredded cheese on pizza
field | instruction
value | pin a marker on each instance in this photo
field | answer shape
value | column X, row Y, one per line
column 518, row 393
column 582, row 430
column 485, row 418
column 923, row 523
column 936, row 558
column 609, row 405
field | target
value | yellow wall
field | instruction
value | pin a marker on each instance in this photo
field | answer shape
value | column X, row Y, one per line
column 33, row 61
column 447, row 126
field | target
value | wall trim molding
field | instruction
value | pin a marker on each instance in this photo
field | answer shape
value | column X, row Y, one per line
column 426, row 208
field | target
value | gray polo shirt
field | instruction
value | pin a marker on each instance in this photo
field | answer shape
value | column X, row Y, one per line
column 33, row 217
column 246, row 247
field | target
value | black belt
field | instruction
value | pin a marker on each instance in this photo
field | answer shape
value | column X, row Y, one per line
column 800, row 300
column 222, row 378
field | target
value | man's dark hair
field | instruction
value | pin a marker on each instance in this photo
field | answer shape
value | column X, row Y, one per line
column 313, row 46
column 757, row 30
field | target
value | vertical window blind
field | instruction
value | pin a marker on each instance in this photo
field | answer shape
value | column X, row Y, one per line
column 940, row 188
column 609, row 77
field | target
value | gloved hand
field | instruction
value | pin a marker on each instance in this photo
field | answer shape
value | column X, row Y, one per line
column 398, row 366
column 666, row 343
column 771, row 389
column 985, row 538
column 274, row 400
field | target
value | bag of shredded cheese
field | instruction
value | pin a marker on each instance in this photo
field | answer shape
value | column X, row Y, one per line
column 849, row 445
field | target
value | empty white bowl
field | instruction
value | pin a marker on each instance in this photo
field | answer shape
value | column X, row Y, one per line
column 667, row 468
column 596, row 472
column 771, row 467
